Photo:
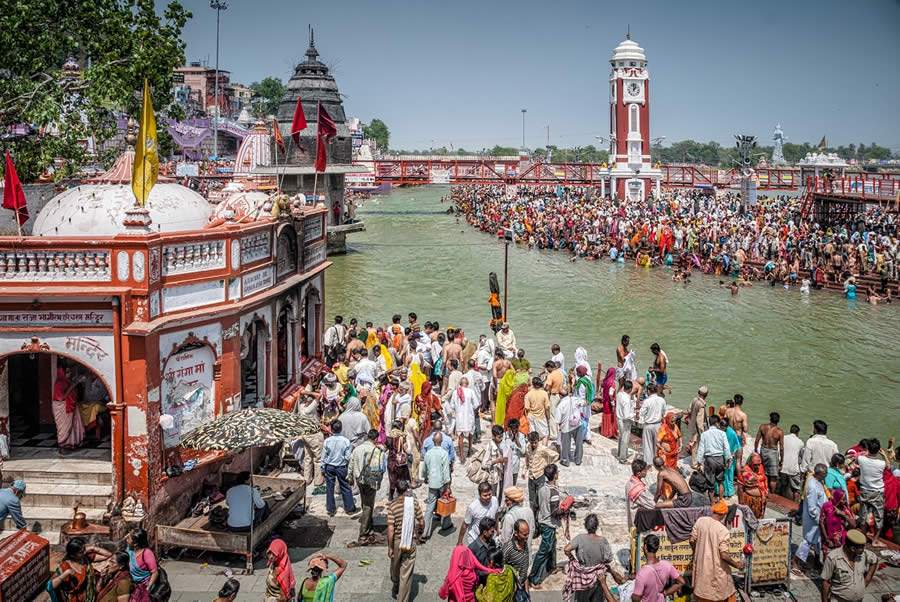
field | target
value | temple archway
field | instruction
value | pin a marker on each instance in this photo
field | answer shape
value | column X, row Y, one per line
column 312, row 307
column 37, row 426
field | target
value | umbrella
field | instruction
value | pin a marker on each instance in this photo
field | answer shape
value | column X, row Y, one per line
column 252, row 427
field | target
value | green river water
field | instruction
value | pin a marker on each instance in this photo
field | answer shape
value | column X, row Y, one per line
column 808, row 357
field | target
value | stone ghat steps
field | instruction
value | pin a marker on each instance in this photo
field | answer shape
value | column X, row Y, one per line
column 58, row 473
column 54, row 487
column 862, row 281
column 64, row 495
column 50, row 518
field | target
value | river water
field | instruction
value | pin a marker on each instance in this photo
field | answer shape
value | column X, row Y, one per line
column 808, row 357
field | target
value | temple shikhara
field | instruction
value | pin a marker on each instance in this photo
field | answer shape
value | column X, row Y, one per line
column 143, row 329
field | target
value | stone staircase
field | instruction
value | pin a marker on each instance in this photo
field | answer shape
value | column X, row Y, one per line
column 54, row 487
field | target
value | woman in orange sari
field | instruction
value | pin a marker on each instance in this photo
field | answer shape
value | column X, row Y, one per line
column 426, row 403
column 669, row 441
column 753, row 486
column 668, row 446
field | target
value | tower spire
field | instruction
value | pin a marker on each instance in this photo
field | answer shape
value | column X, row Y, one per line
column 311, row 53
column 628, row 33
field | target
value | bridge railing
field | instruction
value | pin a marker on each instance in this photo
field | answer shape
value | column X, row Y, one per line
column 880, row 187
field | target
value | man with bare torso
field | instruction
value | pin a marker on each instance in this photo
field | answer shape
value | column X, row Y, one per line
column 769, row 444
column 452, row 351
column 499, row 368
column 738, row 420
column 672, row 478
column 622, row 350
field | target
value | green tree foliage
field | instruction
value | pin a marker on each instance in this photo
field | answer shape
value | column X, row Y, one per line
column 378, row 131
column 266, row 96
column 117, row 44
column 713, row 153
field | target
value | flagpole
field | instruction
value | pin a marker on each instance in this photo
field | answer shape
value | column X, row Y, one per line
column 19, row 222
column 277, row 183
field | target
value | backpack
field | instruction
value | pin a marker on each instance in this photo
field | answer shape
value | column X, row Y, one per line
column 369, row 476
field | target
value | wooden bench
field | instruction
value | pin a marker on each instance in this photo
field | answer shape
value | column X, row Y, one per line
column 197, row 533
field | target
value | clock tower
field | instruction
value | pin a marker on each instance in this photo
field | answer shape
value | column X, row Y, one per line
column 631, row 174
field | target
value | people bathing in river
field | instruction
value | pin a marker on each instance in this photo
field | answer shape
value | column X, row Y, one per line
column 690, row 230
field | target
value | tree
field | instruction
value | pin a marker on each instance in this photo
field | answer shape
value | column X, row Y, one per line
column 267, row 94
column 116, row 44
column 378, row 131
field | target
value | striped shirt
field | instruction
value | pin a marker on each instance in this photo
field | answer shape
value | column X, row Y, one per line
column 395, row 517
column 518, row 560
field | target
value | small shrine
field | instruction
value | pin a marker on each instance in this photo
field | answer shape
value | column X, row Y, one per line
column 117, row 338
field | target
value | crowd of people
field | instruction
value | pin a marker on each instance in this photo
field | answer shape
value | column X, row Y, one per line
column 692, row 230
column 410, row 401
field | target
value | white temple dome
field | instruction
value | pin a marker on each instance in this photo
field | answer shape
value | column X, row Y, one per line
column 244, row 206
column 628, row 50
column 99, row 210
column 255, row 150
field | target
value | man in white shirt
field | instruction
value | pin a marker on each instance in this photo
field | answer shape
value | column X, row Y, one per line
column 871, row 485
column 568, row 417
column 335, row 341
column 789, row 476
column 652, row 411
column 625, row 418
column 713, row 456
column 506, row 340
column 238, row 499
column 484, row 506
column 365, row 371
column 558, row 357
column 819, row 448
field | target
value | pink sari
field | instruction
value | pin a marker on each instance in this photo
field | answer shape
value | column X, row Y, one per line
column 608, row 426
column 459, row 584
column 69, row 428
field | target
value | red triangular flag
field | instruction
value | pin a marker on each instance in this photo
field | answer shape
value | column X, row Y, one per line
column 13, row 193
column 326, row 130
column 279, row 139
column 299, row 122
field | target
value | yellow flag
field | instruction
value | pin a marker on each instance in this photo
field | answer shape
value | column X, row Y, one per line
column 146, row 152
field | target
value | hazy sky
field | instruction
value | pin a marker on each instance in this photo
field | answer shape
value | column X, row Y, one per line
column 460, row 72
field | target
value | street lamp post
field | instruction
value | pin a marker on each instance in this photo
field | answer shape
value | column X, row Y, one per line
column 523, row 129
column 218, row 6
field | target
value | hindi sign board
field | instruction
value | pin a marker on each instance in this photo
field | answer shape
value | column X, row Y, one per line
column 24, row 566
column 53, row 317
column 681, row 554
column 771, row 560
column 187, row 392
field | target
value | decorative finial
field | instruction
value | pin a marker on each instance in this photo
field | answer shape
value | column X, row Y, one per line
column 628, row 33
column 311, row 53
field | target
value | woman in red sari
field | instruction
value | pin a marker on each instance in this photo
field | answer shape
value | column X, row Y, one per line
column 834, row 520
column 608, row 427
column 426, row 403
column 515, row 405
column 753, row 486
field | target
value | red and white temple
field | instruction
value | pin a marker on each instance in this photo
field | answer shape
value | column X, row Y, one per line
column 631, row 175
column 157, row 328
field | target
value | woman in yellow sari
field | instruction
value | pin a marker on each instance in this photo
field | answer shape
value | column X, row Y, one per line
column 504, row 390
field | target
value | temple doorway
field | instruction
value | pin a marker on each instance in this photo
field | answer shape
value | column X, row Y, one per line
column 254, row 364
column 53, row 405
column 286, row 346
column 312, row 306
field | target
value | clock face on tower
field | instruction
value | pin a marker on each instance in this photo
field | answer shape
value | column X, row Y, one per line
column 634, row 89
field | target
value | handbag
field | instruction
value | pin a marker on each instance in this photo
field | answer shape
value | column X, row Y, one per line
column 161, row 590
